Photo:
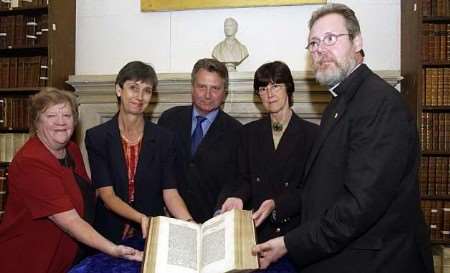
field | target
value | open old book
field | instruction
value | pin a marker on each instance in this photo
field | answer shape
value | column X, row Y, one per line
column 221, row 244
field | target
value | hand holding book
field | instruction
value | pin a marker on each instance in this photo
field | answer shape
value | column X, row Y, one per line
column 270, row 251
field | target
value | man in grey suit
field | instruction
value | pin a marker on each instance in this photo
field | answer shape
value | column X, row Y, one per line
column 360, row 200
column 206, row 141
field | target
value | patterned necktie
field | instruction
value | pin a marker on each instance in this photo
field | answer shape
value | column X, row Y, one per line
column 197, row 135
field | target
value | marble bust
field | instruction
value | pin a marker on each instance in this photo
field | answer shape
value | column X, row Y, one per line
column 230, row 51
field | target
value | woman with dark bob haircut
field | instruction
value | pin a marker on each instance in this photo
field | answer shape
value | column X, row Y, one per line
column 50, row 203
column 272, row 156
column 131, row 161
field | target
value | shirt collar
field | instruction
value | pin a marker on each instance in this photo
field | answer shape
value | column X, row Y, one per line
column 211, row 116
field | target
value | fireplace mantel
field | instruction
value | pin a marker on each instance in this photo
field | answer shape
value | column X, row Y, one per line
column 97, row 97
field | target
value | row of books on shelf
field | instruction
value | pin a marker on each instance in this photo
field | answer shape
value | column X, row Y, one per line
column 10, row 143
column 436, row 87
column 437, row 216
column 17, row 72
column 435, row 131
column 3, row 187
column 434, row 178
column 441, row 258
column 436, row 42
column 23, row 31
column 14, row 113
column 435, row 7
column 12, row 4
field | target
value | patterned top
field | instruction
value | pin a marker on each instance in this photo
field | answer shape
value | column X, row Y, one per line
column 131, row 152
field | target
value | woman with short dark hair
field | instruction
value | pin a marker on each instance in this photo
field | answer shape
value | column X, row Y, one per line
column 272, row 155
column 131, row 161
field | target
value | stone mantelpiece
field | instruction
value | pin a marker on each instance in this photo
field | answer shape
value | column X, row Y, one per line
column 98, row 100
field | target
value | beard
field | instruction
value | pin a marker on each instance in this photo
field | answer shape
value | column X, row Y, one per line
column 335, row 71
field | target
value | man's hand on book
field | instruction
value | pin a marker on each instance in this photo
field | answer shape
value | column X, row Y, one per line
column 232, row 203
column 263, row 211
column 128, row 253
column 270, row 251
column 144, row 225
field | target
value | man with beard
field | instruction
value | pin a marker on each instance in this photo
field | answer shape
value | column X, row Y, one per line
column 360, row 200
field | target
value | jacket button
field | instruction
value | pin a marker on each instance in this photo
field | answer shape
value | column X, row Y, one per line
column 278, row 230
column 258, row 179
column 286, row 184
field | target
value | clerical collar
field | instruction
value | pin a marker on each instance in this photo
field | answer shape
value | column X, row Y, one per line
column 331, row 89
column 334, row 94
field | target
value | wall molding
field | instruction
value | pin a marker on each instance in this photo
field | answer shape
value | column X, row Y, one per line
column 98, row 101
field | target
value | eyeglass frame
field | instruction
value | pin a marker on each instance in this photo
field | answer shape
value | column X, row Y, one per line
column 274, row 87
column 328, row 35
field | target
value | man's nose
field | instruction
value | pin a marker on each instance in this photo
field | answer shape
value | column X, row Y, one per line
column 208, row 93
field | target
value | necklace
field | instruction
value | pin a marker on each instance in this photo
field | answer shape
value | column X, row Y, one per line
column 277, row 126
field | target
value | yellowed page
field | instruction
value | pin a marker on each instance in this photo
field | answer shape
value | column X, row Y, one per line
column 151, row 243
column 232, row 239
column 176, row 247
column 217, row 252
column 245, row 240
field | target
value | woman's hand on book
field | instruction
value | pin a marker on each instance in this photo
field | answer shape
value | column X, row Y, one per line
column 263, row 211
column 128, row 253
column 232, row 203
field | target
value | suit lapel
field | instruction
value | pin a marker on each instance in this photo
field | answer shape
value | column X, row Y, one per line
column 118, row 159
column 148, row 150
column 288, row 143
column 335, row 111
column 328, row 122
column 185, row 129
column 265, row 140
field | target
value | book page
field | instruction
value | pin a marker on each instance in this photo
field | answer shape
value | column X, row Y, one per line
column 213, row 243
column 218, row 244
column 182, row 247
column 177, row 247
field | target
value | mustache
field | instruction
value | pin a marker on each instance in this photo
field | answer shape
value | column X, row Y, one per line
column 325, row 59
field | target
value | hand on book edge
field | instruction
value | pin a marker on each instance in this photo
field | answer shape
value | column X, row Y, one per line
column 270, row 251
column 263, row 211
column 232, row 203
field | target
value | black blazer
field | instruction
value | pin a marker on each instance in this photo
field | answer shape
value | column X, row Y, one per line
column 205, row 180
column 266, row 173
column 154, row 172
column 360, row 201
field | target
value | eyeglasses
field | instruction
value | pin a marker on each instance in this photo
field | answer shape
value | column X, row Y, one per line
column 276, row 87
column 328, row 40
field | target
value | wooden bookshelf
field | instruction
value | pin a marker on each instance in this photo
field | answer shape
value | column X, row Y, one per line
column 425, row 66
column 37, row 49
column 3, row 186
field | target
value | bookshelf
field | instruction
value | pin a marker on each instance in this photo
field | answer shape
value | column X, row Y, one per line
column 3, row 185
column 37, row 49
column 425, row 66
